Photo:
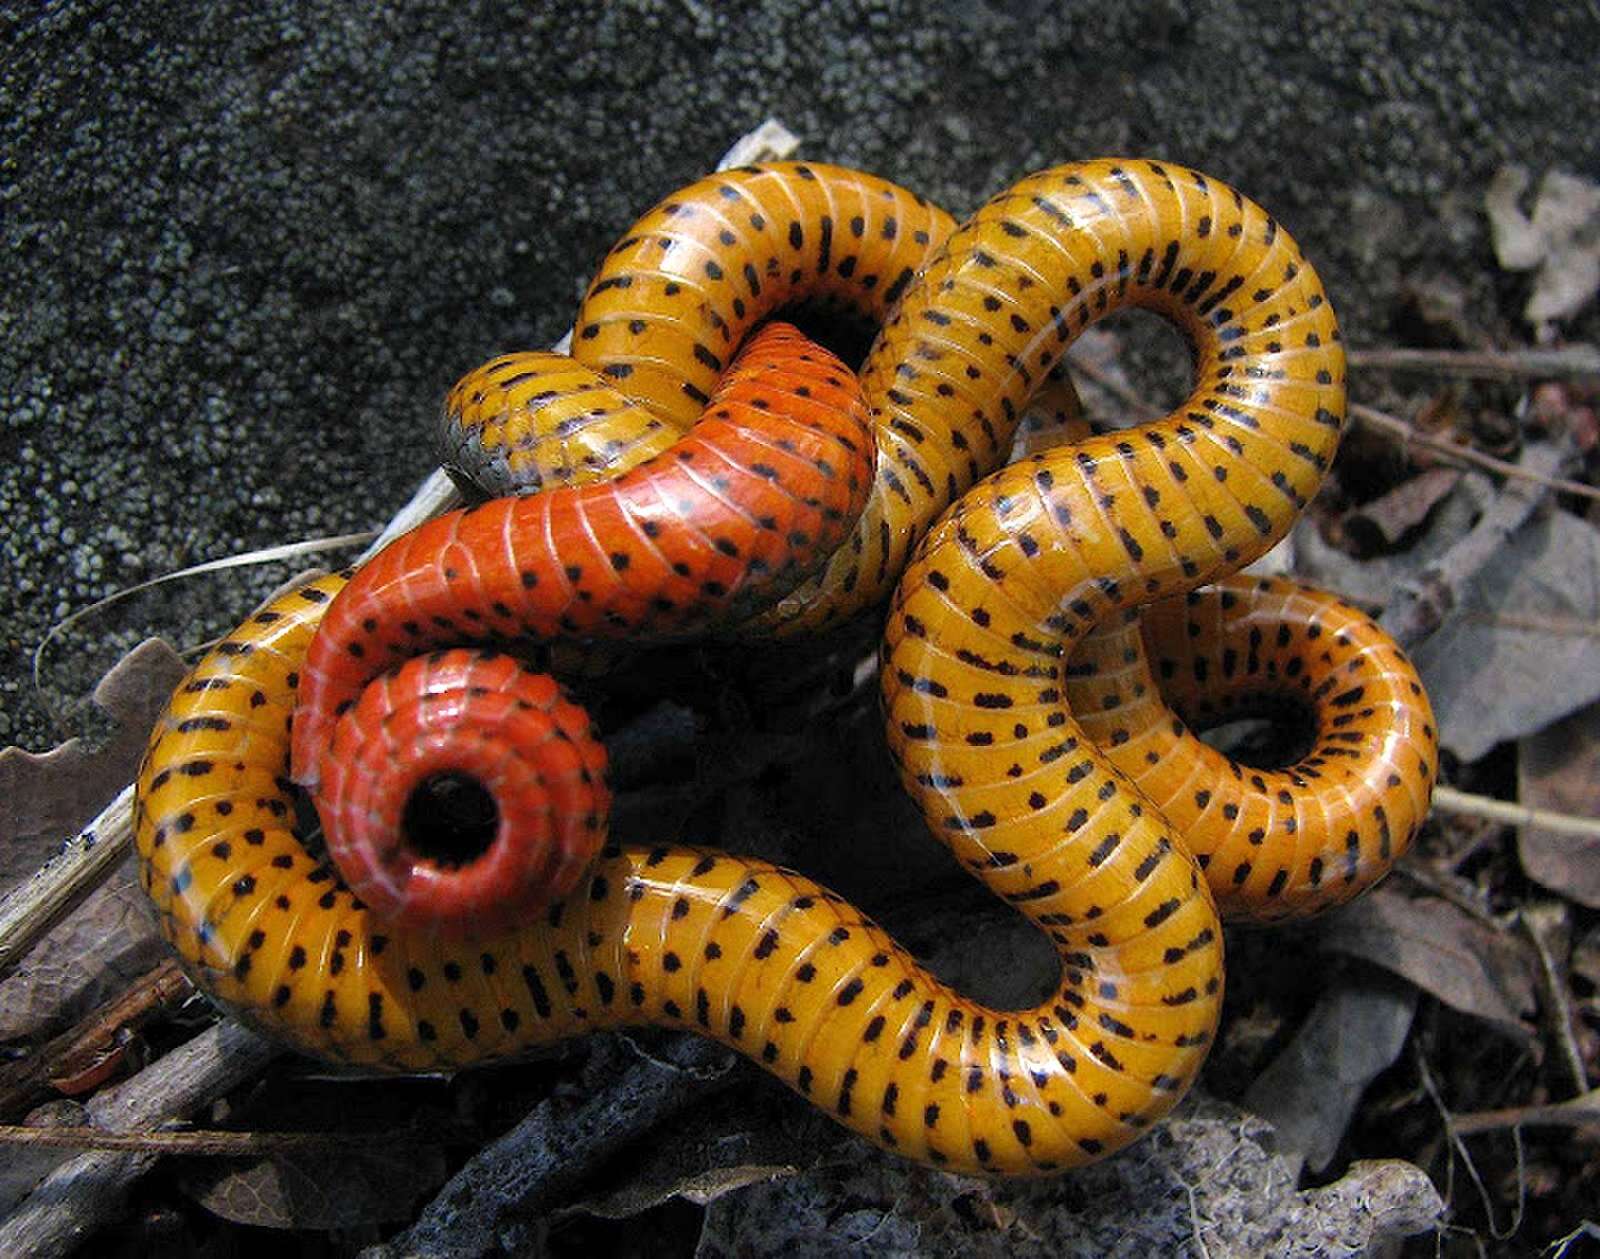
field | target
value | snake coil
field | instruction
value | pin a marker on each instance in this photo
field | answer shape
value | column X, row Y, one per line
column 1021, row 688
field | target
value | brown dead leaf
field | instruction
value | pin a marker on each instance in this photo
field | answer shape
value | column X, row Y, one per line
column 1392, row 515
column 55, row 793
column 101, row 948
column 1559, row 769
column 1446, row 952
column 1491, row 682
column 340, row 1189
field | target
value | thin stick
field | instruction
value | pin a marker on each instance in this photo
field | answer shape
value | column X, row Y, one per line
column 210, row 1143
column 1381, row 420
column 86, row 1192
column 1539, row 921
column 1397, row 427
column 1449, row 800
column 60, row 885
column 1578, row 1112
column 1564, row 361
column 81, row 1057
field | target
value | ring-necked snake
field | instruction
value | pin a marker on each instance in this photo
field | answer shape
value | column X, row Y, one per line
column 988, row 658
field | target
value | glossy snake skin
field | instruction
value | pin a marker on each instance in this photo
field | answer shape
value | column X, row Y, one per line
column 733, row 513
column 1274, row 843
column 978, row 661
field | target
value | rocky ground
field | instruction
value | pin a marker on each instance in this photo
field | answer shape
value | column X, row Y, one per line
column 248, row 247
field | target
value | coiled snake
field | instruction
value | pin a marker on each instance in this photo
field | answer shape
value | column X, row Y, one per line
column 1035, row 743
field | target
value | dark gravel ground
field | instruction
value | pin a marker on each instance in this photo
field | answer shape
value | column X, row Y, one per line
column 248, row 247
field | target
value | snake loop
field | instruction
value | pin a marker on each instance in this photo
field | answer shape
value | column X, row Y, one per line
column 744, row 505
column 1274, row 843
column 989, row 657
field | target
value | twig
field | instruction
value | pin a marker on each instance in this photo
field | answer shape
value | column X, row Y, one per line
column 1558, row 1249
column 1381, row 420
column 1564, row 361
column 85, row 1055
column 60, row 885
column 1453, row 1132
column 1578, row 1112
column 211, row 1143
column 1398, row 428
column 1449, row 800
column 1538, row 922
column 86, row 1192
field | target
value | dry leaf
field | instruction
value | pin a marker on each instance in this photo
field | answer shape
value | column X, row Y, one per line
column 1371, row 581
column 1403, row 508
column 1491, row 682
column 1310, row 1091
column 1446, row 952
column 1561, row 238
column 55, row 793
column 110, row 940
column 102, row 947
column 1558, row 769
column 339, row 1189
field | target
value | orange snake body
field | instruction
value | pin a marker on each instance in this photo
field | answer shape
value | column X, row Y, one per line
column 989, row 667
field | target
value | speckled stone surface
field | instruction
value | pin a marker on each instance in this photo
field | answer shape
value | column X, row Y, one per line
column 247, row 247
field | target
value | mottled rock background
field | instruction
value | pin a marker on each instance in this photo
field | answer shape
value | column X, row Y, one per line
column 248, row 246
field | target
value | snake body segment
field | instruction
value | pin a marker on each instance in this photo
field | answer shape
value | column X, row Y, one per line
column 1008, row 621
column 768, row 481
column 669, row 307
column 760, row 957
column 1274, row 843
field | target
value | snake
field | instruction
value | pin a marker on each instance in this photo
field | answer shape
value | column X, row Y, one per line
column 1017, row 590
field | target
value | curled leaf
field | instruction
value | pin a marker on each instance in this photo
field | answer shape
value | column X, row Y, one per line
column 1403, row 508
column 1443, row 950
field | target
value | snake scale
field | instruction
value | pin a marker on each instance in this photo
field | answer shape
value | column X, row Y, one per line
column 1026, row 696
